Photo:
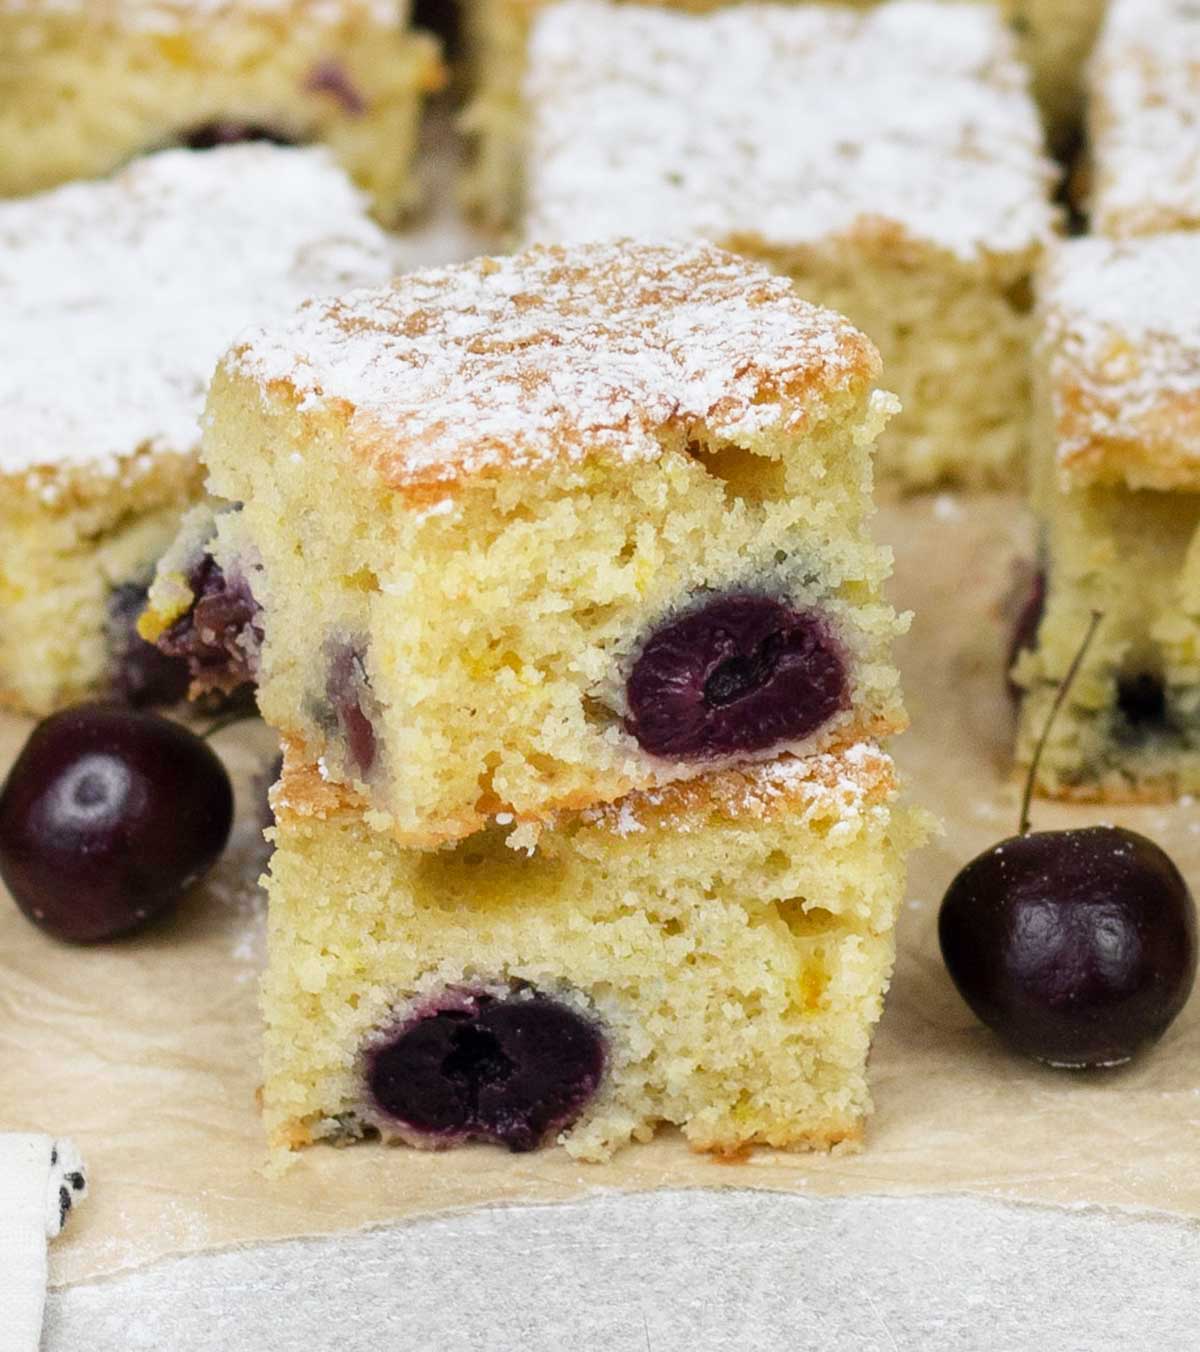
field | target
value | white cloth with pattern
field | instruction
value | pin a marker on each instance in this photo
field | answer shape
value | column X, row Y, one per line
column 41, row 1180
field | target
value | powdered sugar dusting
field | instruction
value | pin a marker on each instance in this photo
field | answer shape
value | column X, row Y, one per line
column 559, row 353
column 843, row 784
column 117, row 297
column 784, row 124
column 1145, row 118
column 1121, row 328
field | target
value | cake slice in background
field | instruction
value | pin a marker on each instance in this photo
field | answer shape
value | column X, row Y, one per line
column 86, row 86
column 529, row 533
column 713, row 956
column 1117, row 491
column 889, row 162
column 116, row 299
column 1054, row 37
column 1144, row 119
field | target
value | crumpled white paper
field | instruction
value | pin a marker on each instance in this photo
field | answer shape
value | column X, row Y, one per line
column 672, row 1272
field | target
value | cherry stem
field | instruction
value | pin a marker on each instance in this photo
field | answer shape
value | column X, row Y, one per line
column 1064, row 687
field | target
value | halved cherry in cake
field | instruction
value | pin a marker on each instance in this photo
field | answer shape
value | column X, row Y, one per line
column 742, row 673
column 1142, row 703
column 220, row 636
column 347, row 689
column 331, row 77
column 514, row 1070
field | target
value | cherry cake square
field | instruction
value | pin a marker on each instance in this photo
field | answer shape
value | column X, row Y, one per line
column 86, row 85
column 116, row 299
column 1117, row 491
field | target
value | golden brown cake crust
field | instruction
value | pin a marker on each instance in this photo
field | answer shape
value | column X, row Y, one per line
column 843, row 1135
column 1122, row 340
column 833, row 783
column 499, row 365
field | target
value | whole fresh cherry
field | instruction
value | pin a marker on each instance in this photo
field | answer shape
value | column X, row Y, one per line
column 107, row 817
column 1077, row 947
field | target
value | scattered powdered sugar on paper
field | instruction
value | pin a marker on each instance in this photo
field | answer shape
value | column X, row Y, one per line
column 117, row 297
column 234, row 884
column 1121, row 323
column 559, row 354
column 785, row 125
column 948, row 507
column 1145, row 121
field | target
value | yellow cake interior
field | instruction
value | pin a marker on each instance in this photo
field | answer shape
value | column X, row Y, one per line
column 954, row 336
column 65, row 543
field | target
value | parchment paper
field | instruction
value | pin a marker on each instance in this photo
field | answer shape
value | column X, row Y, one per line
column 146, row 1052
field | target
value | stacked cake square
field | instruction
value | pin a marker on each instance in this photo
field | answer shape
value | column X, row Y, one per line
column 554, row 574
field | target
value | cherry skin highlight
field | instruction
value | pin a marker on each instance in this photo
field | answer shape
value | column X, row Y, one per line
column 107, row 817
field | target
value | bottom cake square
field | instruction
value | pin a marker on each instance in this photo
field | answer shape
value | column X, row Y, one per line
column 713, row 955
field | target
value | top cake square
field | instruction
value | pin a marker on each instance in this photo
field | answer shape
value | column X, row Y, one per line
column 1145, row 119
column 528, row 533
column 889, row 161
